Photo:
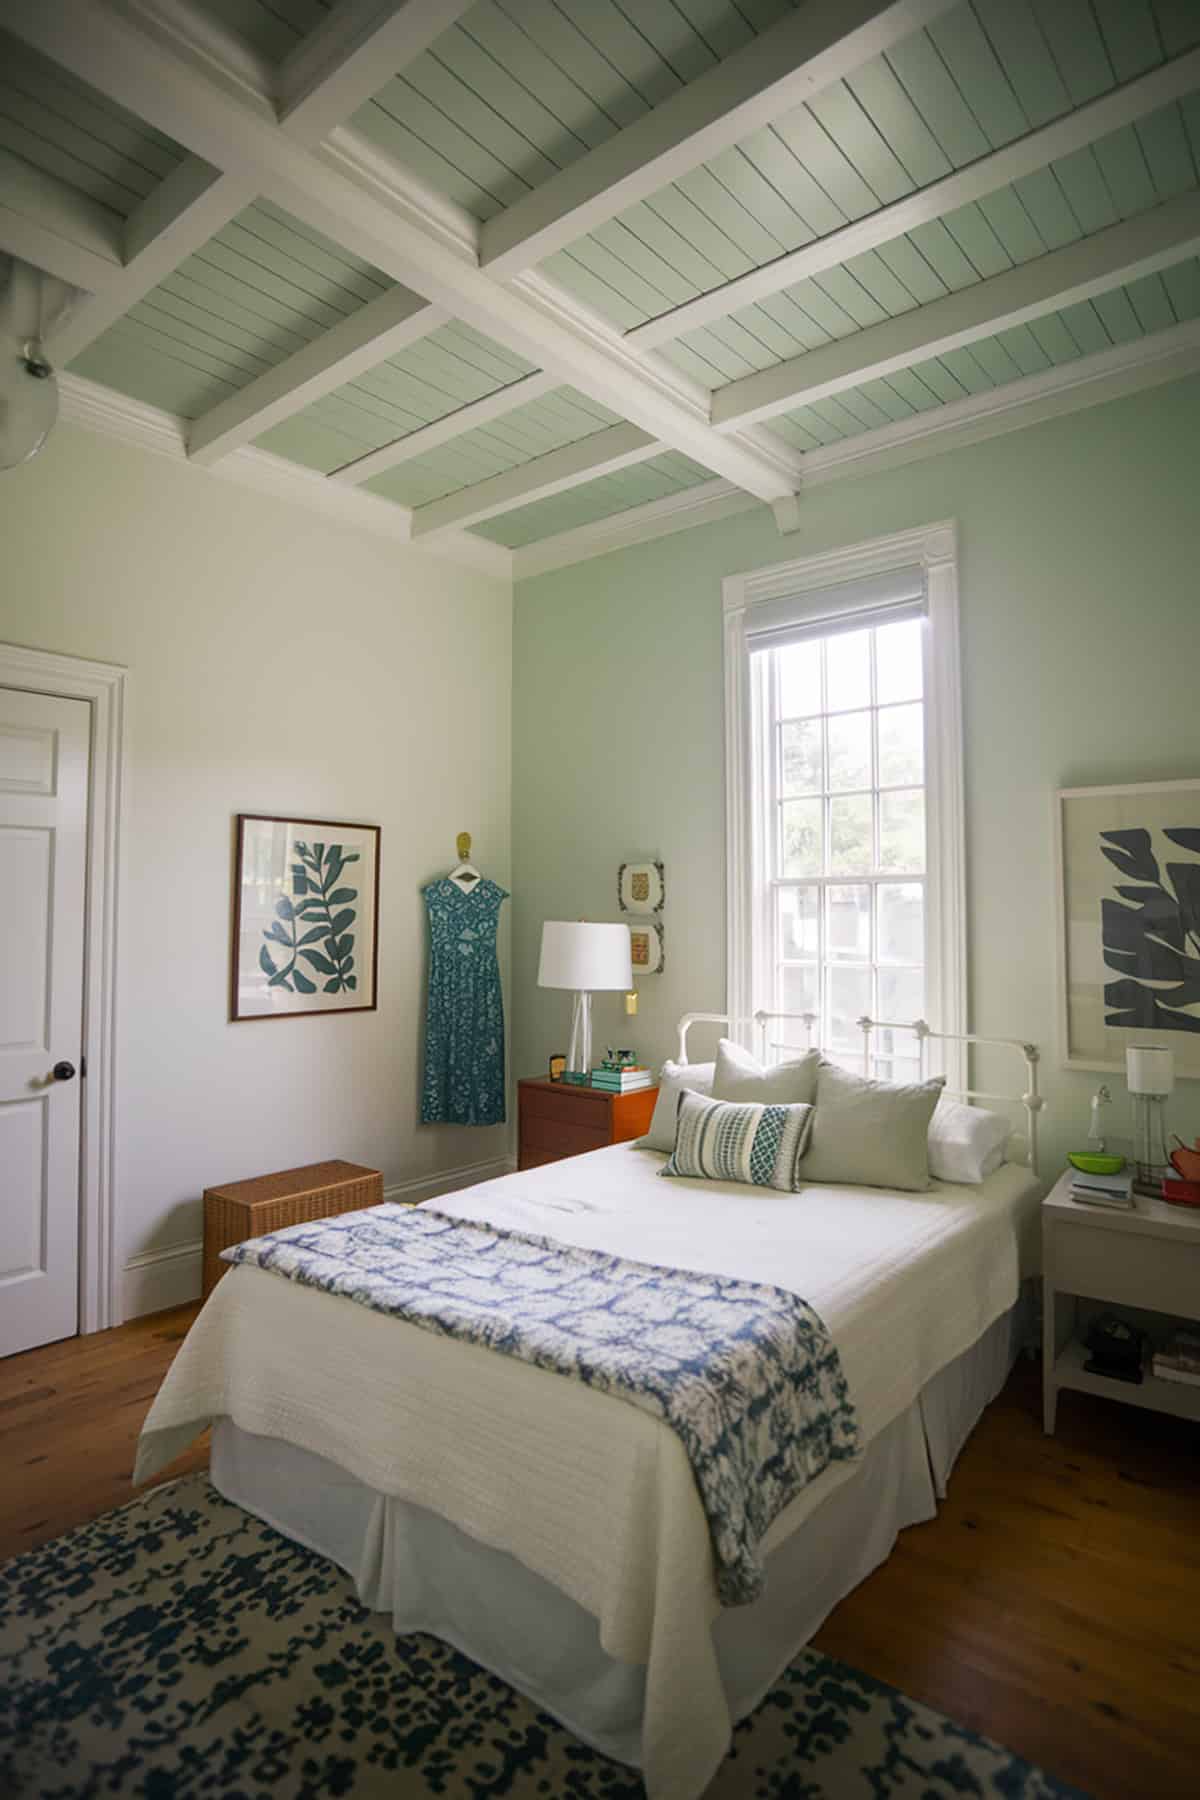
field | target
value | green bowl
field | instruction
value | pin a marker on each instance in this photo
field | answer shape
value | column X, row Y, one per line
column 1092, row 1162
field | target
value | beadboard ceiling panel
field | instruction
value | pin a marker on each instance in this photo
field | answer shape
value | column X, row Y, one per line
column 70, row 131
column 984, row 75
column 272, row 27
column 430, row 380
column 257, row 292
column 1118, row 317
column 1121, row 175
column 654, row 480
column 519, row 89
column 562, row 417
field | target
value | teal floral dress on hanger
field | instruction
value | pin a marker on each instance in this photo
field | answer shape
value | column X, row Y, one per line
column 464, row 1021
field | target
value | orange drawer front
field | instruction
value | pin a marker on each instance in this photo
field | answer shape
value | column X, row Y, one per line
column 566, row 1106
column 561, row 1137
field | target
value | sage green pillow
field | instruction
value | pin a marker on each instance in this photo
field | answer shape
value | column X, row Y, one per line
column 870, row 1133
column 740, row 1077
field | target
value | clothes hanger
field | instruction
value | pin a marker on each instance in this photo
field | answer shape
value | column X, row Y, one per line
column 466, row 876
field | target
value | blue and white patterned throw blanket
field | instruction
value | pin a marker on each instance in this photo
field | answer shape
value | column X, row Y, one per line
column 746, row 1375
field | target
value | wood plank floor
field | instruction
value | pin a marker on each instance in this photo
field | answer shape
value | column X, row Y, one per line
column 1053, row 1604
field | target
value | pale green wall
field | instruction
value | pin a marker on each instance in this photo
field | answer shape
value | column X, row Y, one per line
column 1080, row 545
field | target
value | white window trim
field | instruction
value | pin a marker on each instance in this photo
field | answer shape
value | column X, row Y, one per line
column 934, row 548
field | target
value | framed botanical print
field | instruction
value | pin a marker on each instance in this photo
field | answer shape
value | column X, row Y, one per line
column 641, row 887
column 305, row 917
column 646, row 946
column 1129, row 922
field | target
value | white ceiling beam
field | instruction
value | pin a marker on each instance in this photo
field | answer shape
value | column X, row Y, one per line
column 324, row 79
column 54, row 227
column 140, row 71
column 359, row 342
column 1074, row 132
column 183, row 212
column 429, row 437
column 616, row 447
column 1120, row 253
column 819, row 43
column 351, row 55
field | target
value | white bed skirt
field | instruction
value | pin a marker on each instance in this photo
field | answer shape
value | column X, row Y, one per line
column 431, row 1576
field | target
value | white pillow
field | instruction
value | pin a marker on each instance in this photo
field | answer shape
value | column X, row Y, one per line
column 966, row 1143
column 696, row 1078
column 742, row 1078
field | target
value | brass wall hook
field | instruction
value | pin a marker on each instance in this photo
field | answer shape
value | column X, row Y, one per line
column 463, row 845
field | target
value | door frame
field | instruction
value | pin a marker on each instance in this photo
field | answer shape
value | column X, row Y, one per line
column 105, row 687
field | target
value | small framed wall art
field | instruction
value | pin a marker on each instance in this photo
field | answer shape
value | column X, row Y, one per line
column 646, row 946
column 641, row 887
column 305, row 917
column 1129, row 922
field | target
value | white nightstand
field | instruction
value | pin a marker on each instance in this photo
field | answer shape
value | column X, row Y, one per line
column 1148, row 1258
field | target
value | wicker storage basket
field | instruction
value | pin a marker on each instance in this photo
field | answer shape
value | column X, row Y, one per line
column 246, row 1209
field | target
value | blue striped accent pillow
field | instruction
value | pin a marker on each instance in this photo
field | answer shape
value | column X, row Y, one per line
column 728, row 1140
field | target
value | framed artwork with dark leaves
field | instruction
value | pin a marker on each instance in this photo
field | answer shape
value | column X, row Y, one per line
column 305, row 917
column 1129, row 922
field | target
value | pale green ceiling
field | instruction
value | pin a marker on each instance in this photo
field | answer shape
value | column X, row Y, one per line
column 517, row 89
column 432, row 378
column 68, row 130
column 1118, row 317
column 981, row 76
column 592, row 500
column 261, row 289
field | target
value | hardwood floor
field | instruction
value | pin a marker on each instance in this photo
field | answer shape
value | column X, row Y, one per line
column 1053, row 1604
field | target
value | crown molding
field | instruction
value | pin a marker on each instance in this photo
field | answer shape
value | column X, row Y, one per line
column 1170, row 355
column 100, row 409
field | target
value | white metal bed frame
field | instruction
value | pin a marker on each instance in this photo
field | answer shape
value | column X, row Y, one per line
column 924, row 1033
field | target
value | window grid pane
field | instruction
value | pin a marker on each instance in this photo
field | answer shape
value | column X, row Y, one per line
column 848, row 849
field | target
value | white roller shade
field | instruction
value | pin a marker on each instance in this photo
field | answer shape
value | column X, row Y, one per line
column 848, row 606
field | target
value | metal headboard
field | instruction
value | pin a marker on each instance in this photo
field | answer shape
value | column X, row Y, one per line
column 1031, row 1100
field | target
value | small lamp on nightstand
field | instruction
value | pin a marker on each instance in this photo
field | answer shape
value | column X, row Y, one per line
column 1150, row 1077
column 584, row 957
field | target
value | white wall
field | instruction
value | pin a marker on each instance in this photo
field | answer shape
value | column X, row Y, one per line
column 279, row 664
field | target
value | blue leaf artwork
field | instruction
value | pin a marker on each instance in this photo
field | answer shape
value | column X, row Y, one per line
column 307, row 920
column 1151, row 932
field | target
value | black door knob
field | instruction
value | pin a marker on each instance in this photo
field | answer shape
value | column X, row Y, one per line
column 64, row 1071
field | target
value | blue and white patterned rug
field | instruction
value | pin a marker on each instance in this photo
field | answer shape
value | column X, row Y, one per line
column 178, row 1647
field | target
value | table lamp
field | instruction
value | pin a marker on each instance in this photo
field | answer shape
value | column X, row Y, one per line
column 585, row 958
column 1150, row 1077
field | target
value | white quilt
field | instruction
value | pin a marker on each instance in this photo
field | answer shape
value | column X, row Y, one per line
column 587, row 1491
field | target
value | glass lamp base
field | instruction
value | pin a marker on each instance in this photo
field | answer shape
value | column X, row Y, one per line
column 579, row 1050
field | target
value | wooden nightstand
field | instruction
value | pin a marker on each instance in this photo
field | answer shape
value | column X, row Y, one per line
column 1148, row 1258
column 557, row 1119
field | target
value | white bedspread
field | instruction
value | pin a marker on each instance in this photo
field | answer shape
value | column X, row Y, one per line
column 580, row 1487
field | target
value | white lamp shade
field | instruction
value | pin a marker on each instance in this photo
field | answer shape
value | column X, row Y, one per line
column 1149, row 1069
column 584, row 956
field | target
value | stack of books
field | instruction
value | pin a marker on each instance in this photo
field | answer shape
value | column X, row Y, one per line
column 623, row 1081
column 1103, row 1190
column 1179, row 1360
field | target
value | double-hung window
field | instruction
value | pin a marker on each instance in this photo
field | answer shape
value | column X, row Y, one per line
column 845, row 801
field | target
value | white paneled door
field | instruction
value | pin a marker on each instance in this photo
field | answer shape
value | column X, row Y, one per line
column 43, row 837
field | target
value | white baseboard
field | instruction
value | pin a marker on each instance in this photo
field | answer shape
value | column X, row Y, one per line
column 159, row 1279
column 447, row 1181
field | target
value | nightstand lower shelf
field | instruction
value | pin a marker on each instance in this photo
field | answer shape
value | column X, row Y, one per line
column 1179, row 1398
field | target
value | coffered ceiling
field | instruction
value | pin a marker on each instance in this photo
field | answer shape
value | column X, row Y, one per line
column 517, row 276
